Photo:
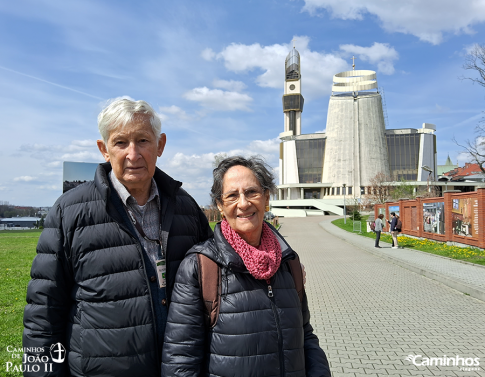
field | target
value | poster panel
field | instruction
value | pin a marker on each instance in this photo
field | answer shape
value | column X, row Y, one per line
column 76, row 173
column 394, row 209
column 434, row 217
column 465, row 217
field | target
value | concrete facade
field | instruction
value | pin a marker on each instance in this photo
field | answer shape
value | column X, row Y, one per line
column 356, row 148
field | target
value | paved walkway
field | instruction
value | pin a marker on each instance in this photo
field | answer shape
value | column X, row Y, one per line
column 370, row 314
column 463, row 276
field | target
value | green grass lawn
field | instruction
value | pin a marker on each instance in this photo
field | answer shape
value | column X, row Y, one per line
column 468, row 254
column 17, row 250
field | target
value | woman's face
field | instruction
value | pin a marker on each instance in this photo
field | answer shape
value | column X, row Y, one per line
column 246, row 215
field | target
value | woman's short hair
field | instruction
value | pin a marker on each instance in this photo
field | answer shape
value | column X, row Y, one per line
column 257, row 165
column 381, row 216
column 121, row 111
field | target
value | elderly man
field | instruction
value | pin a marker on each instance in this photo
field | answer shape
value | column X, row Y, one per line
column 107, row 258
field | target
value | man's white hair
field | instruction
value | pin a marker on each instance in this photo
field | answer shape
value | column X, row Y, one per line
column 121, row 112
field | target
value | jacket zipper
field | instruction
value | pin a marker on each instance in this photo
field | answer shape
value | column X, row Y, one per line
column 278, row 327
column 140, row 252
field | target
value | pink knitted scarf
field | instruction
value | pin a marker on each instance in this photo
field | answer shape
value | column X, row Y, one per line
column 262, row 262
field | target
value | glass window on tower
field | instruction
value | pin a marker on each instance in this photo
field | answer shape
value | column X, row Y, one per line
column 309, row 154
column 403, row 156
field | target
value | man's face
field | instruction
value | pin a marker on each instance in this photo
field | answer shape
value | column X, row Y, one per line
column 133, row 152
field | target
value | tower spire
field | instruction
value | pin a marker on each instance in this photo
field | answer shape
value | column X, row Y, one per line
column 353, row 63
column 292, row 98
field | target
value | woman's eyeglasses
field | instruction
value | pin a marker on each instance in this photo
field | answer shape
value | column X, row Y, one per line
column 252, row 193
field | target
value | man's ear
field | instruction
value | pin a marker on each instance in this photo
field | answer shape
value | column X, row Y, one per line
column 161, row 144
column 102, row 148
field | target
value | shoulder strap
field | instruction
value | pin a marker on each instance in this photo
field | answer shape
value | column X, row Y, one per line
column 296, row 272
column 210, row 287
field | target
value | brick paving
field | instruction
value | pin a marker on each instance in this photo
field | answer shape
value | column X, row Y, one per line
column 370, row 314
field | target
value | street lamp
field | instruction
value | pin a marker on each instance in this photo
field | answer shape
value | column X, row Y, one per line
column 429, row 170
column 345, row 210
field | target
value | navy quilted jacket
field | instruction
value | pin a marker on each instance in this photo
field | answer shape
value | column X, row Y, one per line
column 255, row 335
column 89, row 289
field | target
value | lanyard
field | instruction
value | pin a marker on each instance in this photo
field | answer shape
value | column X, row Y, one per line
column 142, row 232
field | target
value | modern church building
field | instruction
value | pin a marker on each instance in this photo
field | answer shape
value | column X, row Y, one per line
column 317, row 170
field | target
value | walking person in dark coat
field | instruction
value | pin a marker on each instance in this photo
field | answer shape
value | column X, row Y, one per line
column 107, row 258
column 378, row 229
column 262, row 328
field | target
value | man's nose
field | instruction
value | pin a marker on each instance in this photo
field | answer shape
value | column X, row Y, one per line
column 132, row 151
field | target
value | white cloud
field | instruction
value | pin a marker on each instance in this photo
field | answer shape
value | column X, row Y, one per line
column 180, row 160
column 231, row 85
column 208, row 54
column 24, row 178
column 427, row 20
column 319, row 66
column 49, row 187
column 84, row 156
column 380, row 54
column 271, row 146
column 53, row 155
column 216, row 99
column 83, row 143
column 54, row 164
column 175, row 111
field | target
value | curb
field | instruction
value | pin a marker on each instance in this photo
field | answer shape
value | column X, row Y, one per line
column 475, row 292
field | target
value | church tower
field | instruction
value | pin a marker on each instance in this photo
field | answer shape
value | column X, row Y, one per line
column 292, row 98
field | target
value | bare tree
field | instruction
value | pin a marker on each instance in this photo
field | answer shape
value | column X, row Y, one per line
column 475, row 61
column 379, row 189
column 475, row 149
column 218, row 158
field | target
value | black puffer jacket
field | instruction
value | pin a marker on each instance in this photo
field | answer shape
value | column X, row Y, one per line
column 255, row 335
column 89, row 289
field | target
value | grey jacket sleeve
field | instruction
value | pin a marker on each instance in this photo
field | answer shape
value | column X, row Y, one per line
column 316, row 363
column 46, row 312
column 184, row 345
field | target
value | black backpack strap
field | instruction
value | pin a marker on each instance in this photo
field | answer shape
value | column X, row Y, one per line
column 297, row 273
column 210, row 282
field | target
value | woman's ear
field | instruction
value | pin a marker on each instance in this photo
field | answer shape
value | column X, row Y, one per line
column 266, row 194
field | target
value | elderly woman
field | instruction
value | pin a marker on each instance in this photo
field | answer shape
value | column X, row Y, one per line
column 262, row 327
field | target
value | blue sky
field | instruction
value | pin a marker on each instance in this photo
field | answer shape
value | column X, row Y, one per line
column 214, row 70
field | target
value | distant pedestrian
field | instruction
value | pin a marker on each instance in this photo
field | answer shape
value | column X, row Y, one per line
column 378, row 228
column 398, row 226
column 394, row 232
